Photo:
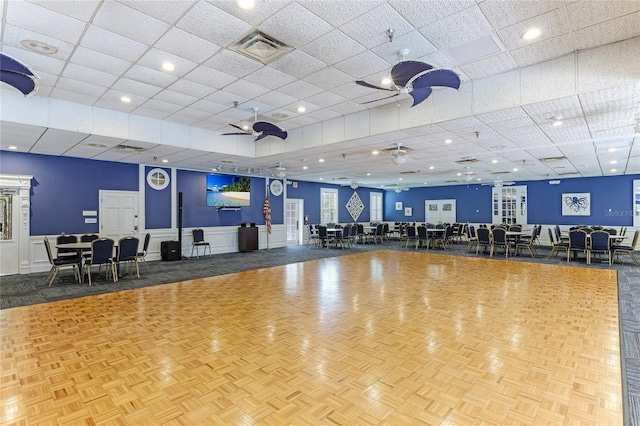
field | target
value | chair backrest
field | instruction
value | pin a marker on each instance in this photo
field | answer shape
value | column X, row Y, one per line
column 471, row 231
column 448, row 231
column 439, row 226
column 322, row 231
column 102, row 250
column 577, row 239
column 515, row 228
column 636, row 236
column 198, row 235
column 145, row 246
column 499, row 235
column 551, row 240
column 599, row 240
column 430, row 226
column 379, row 229
column 87, row 238
column 484, row 235
column 411, row 231
column 127, row 248
column 47, row 245
column 587, row 229
column 422, row 232
column 360, row 229
column 66, row 238
column 346, row 231
column 354, row 230
column 611, row 231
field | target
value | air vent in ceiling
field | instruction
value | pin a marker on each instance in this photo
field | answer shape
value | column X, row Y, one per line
column 467, row 160
column 548, row 159
column 260, row 46
column 410, row 172
column 129, row 148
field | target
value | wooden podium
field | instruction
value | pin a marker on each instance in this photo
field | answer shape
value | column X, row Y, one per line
column 247, row 237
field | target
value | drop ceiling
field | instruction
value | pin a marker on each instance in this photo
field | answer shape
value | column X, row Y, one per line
column 501, row 119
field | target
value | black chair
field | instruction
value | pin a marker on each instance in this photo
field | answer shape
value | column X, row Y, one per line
column 198, row 241
column 87, row 238
column 323, row 238
column 499, row 239
column 142, row 255
column 471, row 237
column 622, row 249
column 422, row 239
column 557, row 246
column 65, row 252
column 439, row 237
column 599, row 242
column 128, row 253
column 577, row 243
column 59, row 263
column 411, row 235
column 526, row 242
column 101, row 254
column 484, row 239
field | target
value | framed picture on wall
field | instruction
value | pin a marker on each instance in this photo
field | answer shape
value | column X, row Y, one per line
column 576, row 204
column 408, row 211
column 398, row 205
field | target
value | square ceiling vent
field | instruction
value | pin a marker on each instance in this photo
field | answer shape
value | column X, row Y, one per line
column 260, row 46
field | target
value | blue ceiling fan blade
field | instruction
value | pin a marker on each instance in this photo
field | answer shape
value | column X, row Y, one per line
column 7, row 63
column 240, row 134
column 365, row 84
column 268, row 129
column 24, row 83
column 404, row 71
column 420, row 94
column 440, row 77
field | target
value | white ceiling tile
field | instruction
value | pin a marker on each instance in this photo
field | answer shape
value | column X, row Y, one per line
column 419, row 14
column 536, row 86
column 210, row 77
column 502, row 115
column 325, row 99
column 175, row 98
column 300, row 89
column 208, row 106
column 295, row 25
column 112, row 44
column 99, row 61
column 275, row 99
column 351, row 90
column 461, row 27
column 297, row 64
column 114, row 104
column 37, row 63
column 370, row 28
column 187, row 45
column 503, row 13
column 363, row 65
column 150, row 76
column 543, row 51
column 79, row 9
column 496, row 64
column 233, row 63
column 129, row 23
column 88, row 75
column 551, row 24
column 269, row 78
column 333, row 47
column 191, row 88
column 223, row 97
column 438, row 60
column 611, row 94
column 420, row 46
column 328, row 78
column 165, row 10
column 198, row 20
column 587, row 13
column 129, row 86
column 74, row 96
column 161, row 106
column 114, row 96
column 154, row 59
column 151, row 113
column 13, row 36
column 80, row 87
column 618, row 60
column 561, row 106
column 255, row 16
column 44, row 21
column 246, row 89
column 338, row 13
column 621, row 28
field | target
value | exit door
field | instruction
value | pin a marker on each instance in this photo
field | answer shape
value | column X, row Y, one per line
column 294, row 221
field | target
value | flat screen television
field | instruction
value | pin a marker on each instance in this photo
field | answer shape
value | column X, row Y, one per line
column 228, row 191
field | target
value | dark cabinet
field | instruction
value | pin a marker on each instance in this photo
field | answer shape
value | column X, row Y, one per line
column 247, row 237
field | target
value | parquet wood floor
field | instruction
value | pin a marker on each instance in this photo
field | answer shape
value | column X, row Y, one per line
column 383, row 337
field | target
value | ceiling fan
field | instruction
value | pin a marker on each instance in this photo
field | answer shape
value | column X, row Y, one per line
column 468, row 175
column 398, row 154
column 261, row 129
column 353, row 184
column 499, row 183
column 279, row 170
column 395, row 187
column 18, row 75
column 416, row 79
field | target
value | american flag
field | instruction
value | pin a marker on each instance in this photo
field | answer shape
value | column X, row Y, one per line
column 266, row 209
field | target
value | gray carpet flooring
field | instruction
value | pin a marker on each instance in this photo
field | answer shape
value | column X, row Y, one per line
column 23, row 290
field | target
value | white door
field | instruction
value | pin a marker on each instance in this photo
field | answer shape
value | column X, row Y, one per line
column 440, row 211
column 509, row 204
column 294, row 221
column 9, row 232
column 118, row 214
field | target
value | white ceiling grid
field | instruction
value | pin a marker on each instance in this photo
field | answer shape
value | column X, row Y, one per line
column 109, row 49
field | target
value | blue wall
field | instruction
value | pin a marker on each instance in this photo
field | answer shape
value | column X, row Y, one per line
column 63, row 187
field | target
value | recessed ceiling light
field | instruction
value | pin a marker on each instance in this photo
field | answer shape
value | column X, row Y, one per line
column 165, row 161
column 494, row 161
column 168, row 66
column 531, row 34
column 613, row 162
column 399, row 178
column 321, row 179
column 611, row 150
column 385, row 81
column 374, row 152
column 304, row 167
column 614, row 170
column 425, row 183
column 557, row 123
column 39, row 47
column 214, row 170
column 12, row 147
column 246, row 4
column 125, row 99
column 431, row 167
column 368, row 174
column 321, row 160
column 301, row 109
column 448, row 141
column 458, row 174
column 479, row 179
column 515, row 169
column 245, row 127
